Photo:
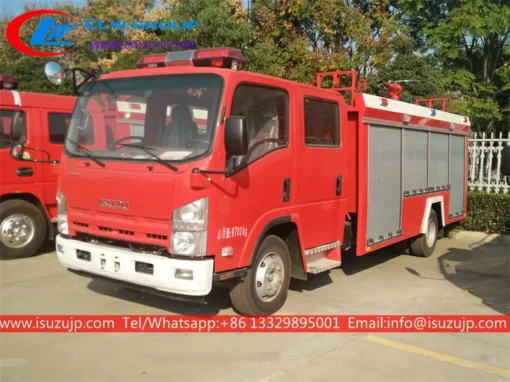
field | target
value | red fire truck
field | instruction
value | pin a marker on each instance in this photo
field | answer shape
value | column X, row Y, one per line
column 281, row 179
column 28, row 180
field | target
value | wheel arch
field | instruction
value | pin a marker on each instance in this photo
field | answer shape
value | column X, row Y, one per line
column 28, row 197
column 435, row 203
column 287, row 230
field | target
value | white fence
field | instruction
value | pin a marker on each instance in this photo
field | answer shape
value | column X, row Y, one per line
column 485, row 163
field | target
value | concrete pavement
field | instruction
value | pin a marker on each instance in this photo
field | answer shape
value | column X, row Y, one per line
column 463, row 277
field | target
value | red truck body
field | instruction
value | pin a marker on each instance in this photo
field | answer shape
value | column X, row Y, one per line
column 320, row 175
column 28, row 188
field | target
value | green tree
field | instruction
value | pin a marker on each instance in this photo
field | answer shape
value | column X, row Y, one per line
column 222, row 23
column 327, row 35
column 29, row 72
column 420, row 75
column 470, row 39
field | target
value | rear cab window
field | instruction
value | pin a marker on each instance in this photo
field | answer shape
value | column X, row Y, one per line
column 58, row 123
column 322, row 123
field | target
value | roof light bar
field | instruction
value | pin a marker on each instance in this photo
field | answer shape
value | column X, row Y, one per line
column 214, row 57
column 8, row 82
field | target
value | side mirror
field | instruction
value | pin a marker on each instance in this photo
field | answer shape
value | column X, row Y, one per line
column 17, row 151
column 54, row 73
column 18, row 127
column 236, row 136
column 505, row 161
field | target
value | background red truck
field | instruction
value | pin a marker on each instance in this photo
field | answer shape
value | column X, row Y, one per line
column 28, row 183
column 283, row 178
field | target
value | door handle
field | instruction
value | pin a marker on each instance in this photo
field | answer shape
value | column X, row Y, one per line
column 338, row 185
column 24, row 171
column 286, row 189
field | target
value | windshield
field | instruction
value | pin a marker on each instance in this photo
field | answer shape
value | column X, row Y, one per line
column 171, row 116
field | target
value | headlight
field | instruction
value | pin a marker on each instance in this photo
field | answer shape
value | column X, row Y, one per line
column 189, row 228
column 62, row 213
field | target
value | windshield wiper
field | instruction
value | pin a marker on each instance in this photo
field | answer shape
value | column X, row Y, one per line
column 146, row 149
column 87, row 153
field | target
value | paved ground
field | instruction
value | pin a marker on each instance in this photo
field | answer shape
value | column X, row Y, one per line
column 463, row 277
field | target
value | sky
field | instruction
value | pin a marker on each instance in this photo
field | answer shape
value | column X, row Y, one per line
column 13, row 8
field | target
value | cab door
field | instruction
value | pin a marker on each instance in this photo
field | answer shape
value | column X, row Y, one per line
column 262, row 189
column 321, row 196
column 19, row 176
column 54, row 124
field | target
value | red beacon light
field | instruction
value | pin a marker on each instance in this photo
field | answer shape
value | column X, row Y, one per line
column 215, row 57
column 8, row 82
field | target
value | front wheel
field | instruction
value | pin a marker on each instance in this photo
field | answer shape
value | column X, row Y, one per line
column 264, row 289
column 425, row 244
column 22, row 229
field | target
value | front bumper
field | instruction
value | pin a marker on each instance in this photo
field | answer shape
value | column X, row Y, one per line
column 120, row 264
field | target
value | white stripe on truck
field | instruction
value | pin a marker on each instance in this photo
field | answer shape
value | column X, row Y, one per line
column 17, row 98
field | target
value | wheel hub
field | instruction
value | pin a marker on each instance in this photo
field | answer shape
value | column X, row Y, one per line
column 269, row 277
column 16, row 231
column 431, row 234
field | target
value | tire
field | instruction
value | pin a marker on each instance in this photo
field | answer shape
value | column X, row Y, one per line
column 422, row 247
column 247, row 296
column 14, row 215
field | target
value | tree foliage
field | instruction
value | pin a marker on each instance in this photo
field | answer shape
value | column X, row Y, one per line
column 471, row 39
column 458, row 49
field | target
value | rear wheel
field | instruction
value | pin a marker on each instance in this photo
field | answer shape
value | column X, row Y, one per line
column 22, row 229
column 264, row 289
column 425, row 244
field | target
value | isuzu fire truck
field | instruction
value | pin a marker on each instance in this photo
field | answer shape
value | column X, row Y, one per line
column 28, row 180
column 281, row 179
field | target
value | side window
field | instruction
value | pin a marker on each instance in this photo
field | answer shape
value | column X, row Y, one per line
column 86, row 128
column 12, row 120
column 322, row 125
column 58, row 124
column 266, row 113
column 137, row 130
column 200, row 117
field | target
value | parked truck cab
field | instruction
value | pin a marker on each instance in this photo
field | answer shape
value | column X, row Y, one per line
column 28, row 178
column 219, row 176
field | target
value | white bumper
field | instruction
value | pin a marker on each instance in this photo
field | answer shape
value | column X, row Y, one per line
column 119, row 264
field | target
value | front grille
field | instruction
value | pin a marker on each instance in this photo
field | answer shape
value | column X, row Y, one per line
column 121, row 231
column 144, row 232
column 158, row 237
column 143, row 248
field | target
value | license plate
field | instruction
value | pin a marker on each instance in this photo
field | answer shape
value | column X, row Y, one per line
column 110, row 263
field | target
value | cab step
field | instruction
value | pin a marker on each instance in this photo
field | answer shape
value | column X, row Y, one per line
column 322, row 265
column 317, row 260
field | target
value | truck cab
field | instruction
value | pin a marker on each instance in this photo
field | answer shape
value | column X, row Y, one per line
column 189, row 172
column 28, row 178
